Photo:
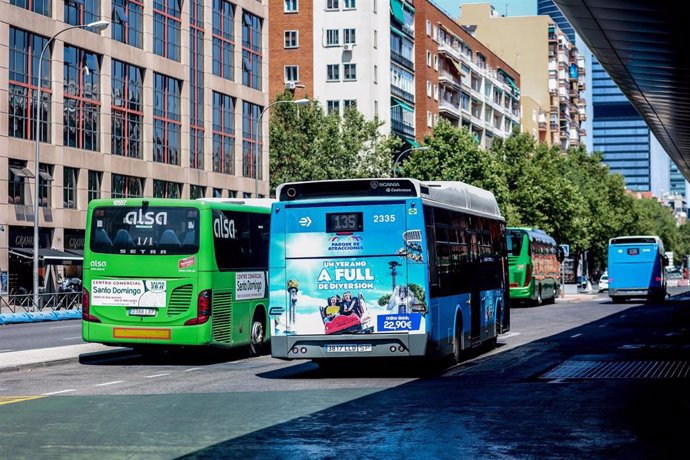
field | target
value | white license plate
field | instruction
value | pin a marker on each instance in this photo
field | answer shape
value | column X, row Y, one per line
column 358, row 348
column 142, row 312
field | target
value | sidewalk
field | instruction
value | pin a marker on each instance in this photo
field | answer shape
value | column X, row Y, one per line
column 27, row 359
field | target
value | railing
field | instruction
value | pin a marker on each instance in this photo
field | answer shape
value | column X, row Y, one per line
column 402, row 128
column 47, row 301
column 402, row 60
column 409, row 97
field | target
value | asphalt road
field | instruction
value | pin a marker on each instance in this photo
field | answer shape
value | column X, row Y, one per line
column 499, row 404
column 31, row 336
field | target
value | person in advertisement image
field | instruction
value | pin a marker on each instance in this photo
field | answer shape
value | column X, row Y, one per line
column 356, row 295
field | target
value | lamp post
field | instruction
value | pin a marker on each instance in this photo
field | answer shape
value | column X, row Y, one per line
column 399, row 157
column 97, row 26
column 297, row 102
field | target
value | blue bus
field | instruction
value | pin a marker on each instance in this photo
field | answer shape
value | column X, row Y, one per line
column 385, row 268
column 636, row 268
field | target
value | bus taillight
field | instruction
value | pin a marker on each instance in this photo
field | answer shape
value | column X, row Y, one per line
column 86, row 307
column 528, row 275
column 203, row 308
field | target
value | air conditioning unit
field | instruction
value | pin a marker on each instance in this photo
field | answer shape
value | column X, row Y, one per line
column 348, row 46
column 290, row 85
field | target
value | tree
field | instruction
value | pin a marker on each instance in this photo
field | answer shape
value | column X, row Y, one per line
column 308, row 144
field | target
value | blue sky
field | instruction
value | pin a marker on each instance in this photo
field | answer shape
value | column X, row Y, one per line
column 515, row 7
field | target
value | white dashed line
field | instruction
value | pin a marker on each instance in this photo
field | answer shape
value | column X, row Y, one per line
column 576, row 335
column 72, row 326
column 58, row 392
column 71, row 338
column 154, row 376
column 508, row 335
column 109, row 383
column 192, row 369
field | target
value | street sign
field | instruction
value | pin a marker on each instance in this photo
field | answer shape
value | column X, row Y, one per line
column 566, row 249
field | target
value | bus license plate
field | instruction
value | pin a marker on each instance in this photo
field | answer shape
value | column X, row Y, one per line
column 359, row 348
column 142, row 312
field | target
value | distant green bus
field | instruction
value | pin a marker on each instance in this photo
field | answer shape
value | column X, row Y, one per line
column 176, row 272
column 534, row 260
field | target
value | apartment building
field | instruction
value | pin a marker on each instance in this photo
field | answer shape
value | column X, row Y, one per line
column 551, row 69
column 166, row 102
column 461, row 80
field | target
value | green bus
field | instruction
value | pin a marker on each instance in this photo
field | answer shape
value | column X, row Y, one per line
column 170, row 272
column 534, row 261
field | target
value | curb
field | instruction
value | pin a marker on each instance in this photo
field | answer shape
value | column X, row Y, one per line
column 45, row 357
column 39, row 316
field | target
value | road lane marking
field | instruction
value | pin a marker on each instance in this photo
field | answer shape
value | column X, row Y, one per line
column 58, row 392
column 16, row 399
column 109, row 383
column 72, row 326
column 508, row 335
column 192, row 369
column 576, row 335
column 4, row 350
column 154, row 376
column 71, row 338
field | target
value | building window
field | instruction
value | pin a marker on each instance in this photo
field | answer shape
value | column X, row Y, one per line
column 349, row 36
column 232, row 193
column 375, row 6
column 166, row 119
column 128, row 22
column 25, row 49
column 37, row 6
column 126, row 186
column 251, row 50
column 69, row 187
column 428, row 58
column 436, row 92
column 79, row 12
column 349, row 4
column 376, row 74
column 127, row 112
column 223, row 133
column 349, row 104
column 18, row 173
column 333, row 107
column 291, row 73
column 291, row 39
column 82, row 74
column 94, row 186
column 333, row 72
column 196, row 84
column 429, row 119
column 166, row 28
column 251, row 141
column 349, row 72
column 376, row 108
column 45, row 178
column 332, row 5
column 291, row 6
column 217, row 193
column 428, row 28
column 376, row 39
column 428, row 88
column 223, row 39
column 436, row 62
column 196, row 192
column 165, row 189
column 332, row 37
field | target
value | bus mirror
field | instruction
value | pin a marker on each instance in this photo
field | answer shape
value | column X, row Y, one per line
column 560, row 255
column 665, row 260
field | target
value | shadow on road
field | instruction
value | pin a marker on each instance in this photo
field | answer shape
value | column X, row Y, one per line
column 170, row 356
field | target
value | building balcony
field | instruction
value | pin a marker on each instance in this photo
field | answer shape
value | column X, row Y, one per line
column 402, row 128
column 449, row 108
column 447, row 78
column 449, row 51
column 402, row 60
column 401, row 93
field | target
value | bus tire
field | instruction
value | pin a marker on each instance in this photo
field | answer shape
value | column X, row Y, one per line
column 457, row 340
column 618, row 299
column 257, row 333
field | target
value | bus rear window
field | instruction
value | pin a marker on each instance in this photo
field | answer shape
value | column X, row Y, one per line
column 514, row 243
column 145, row 230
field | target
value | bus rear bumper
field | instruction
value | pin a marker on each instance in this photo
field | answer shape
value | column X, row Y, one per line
column 639, row 292
column 125, row 335
column 350, row 346
column 521, row 293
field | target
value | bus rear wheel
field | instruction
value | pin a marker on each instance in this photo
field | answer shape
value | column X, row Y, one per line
column 457, row 342
column 257, row 339
column 618, row 299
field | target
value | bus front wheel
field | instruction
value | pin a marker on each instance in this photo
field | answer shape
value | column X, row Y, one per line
column 257, row 339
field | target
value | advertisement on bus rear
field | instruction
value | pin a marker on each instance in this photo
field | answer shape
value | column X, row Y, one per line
column 362, row 293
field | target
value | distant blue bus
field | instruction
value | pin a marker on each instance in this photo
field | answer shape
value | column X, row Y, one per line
column 636, row 268
column 385, row 268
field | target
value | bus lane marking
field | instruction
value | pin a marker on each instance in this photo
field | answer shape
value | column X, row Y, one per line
column 58, row 392
column 114, row 382
column 16, row 399
column 154, row 376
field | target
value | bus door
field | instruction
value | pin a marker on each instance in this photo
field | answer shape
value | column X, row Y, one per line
column 346, row 269
column 475, row 290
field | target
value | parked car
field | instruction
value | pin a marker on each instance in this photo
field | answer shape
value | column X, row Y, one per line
column 604, row 282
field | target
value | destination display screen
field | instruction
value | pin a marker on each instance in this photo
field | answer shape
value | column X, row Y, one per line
column 344, row 222
column 633, row 251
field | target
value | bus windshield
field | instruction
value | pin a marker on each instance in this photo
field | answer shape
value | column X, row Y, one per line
column 514, row 242
column 145, row 230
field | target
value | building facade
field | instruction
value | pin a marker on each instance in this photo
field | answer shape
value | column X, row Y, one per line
column 461, row 80
column 403, row 61
column 166, row 102
column 551, row 69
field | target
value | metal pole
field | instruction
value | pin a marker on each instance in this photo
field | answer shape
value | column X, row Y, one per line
column 399, row 157
column 98, row 26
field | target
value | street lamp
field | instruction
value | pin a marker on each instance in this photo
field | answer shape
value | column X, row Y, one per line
column 97, row 26
column 399, row 157
column 298, row 102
